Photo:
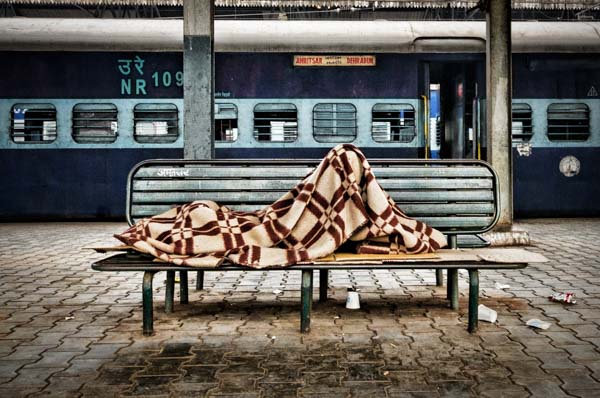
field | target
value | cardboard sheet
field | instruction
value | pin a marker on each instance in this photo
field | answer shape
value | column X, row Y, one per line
column 107, row 249
column 489, row 255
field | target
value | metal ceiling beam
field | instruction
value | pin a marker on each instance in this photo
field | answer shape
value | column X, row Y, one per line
column 333, row 4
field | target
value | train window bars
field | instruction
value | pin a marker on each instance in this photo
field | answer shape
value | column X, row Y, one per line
column 155, row 123
column 226, row 123
column 568, row 122
column 393, row 123
column 33, row 123
column 276, row 122
column 94, row 123
column 522, row 127
column 334, row 122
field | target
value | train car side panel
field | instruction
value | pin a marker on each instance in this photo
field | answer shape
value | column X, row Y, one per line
column 74, row 183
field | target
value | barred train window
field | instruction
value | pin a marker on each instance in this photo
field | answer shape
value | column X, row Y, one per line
column 522, row 127
column 568, row 122
column 94, row 123
column 33, row 123
column 334, row 122
column 393, row 123
column 276, row 122
column 226, row 123
column 155, row 123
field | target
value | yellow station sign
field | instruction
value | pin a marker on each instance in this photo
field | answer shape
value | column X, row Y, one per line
column 334, row 60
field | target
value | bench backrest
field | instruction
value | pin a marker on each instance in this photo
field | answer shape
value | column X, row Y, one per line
column 455, row 196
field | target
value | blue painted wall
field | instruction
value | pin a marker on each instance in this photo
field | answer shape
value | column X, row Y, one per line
column 85, row 75
column 541, row 190
column 272, row 75
column 57, row 184
column 312, row 153
column 100, row 75
column 555, row 75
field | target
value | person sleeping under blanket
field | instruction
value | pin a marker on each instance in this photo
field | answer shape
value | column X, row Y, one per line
column 339, row 202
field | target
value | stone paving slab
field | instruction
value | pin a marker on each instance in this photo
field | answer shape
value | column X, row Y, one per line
column 68, row 331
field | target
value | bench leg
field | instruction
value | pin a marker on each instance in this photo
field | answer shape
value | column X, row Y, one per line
column 323, row 282
column 183, row 287
column 452, row 289
column 452, row 276
column 306, row 299
column 148, row 314
column 439, row 277
column 170, row 292
column 473, row 299
column 200, row 280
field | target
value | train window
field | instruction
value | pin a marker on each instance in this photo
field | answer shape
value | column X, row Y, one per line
column 155, row 123
column 522, row 128
column 334, row 122
column 393, row 123
column 94, row 123
column 275, row 122
column 33, row 123
column 226, row 123
column 568, row 122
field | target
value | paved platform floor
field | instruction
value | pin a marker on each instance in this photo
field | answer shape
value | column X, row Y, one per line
column 68, row 331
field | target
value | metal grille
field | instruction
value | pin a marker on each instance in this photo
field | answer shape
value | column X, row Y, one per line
column 95, row 123
column 334, row 122
column 33, row 123
column 226, row 124
column 276, row 122
column 156, row 123
column 568, row 122
column 393, row 123
column 522, row 127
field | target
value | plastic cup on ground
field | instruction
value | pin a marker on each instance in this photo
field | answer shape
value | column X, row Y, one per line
column 353, row 300
column 538, row 324
column 486, row 314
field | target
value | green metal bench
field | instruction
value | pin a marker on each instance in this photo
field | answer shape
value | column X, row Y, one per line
column 458, row 197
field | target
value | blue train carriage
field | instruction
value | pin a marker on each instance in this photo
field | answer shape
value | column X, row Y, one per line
column 77, row 120
column 556, row 134
column 89, row 117
column 292, row 110
column 309, row 127
column 71, row 129
column 69, row 158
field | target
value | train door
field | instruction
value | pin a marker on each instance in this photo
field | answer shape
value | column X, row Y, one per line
column 454, row 111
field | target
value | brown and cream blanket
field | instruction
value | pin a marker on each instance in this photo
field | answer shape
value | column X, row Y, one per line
column 339, row 201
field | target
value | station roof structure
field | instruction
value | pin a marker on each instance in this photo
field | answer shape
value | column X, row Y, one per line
column 401, row 10
column 373, row 4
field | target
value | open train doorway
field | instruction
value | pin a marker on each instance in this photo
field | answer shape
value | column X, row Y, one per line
column 455, row 123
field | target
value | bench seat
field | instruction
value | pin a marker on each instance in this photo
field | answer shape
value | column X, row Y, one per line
column 470, row 260
column 457, row 197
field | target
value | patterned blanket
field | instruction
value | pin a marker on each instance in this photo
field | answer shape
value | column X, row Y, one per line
column 339, row 201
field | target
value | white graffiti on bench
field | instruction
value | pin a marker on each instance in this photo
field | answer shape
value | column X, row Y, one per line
column 173, row 173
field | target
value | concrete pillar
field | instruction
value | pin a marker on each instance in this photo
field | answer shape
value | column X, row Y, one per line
column 198, row 79
column 499, row 99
